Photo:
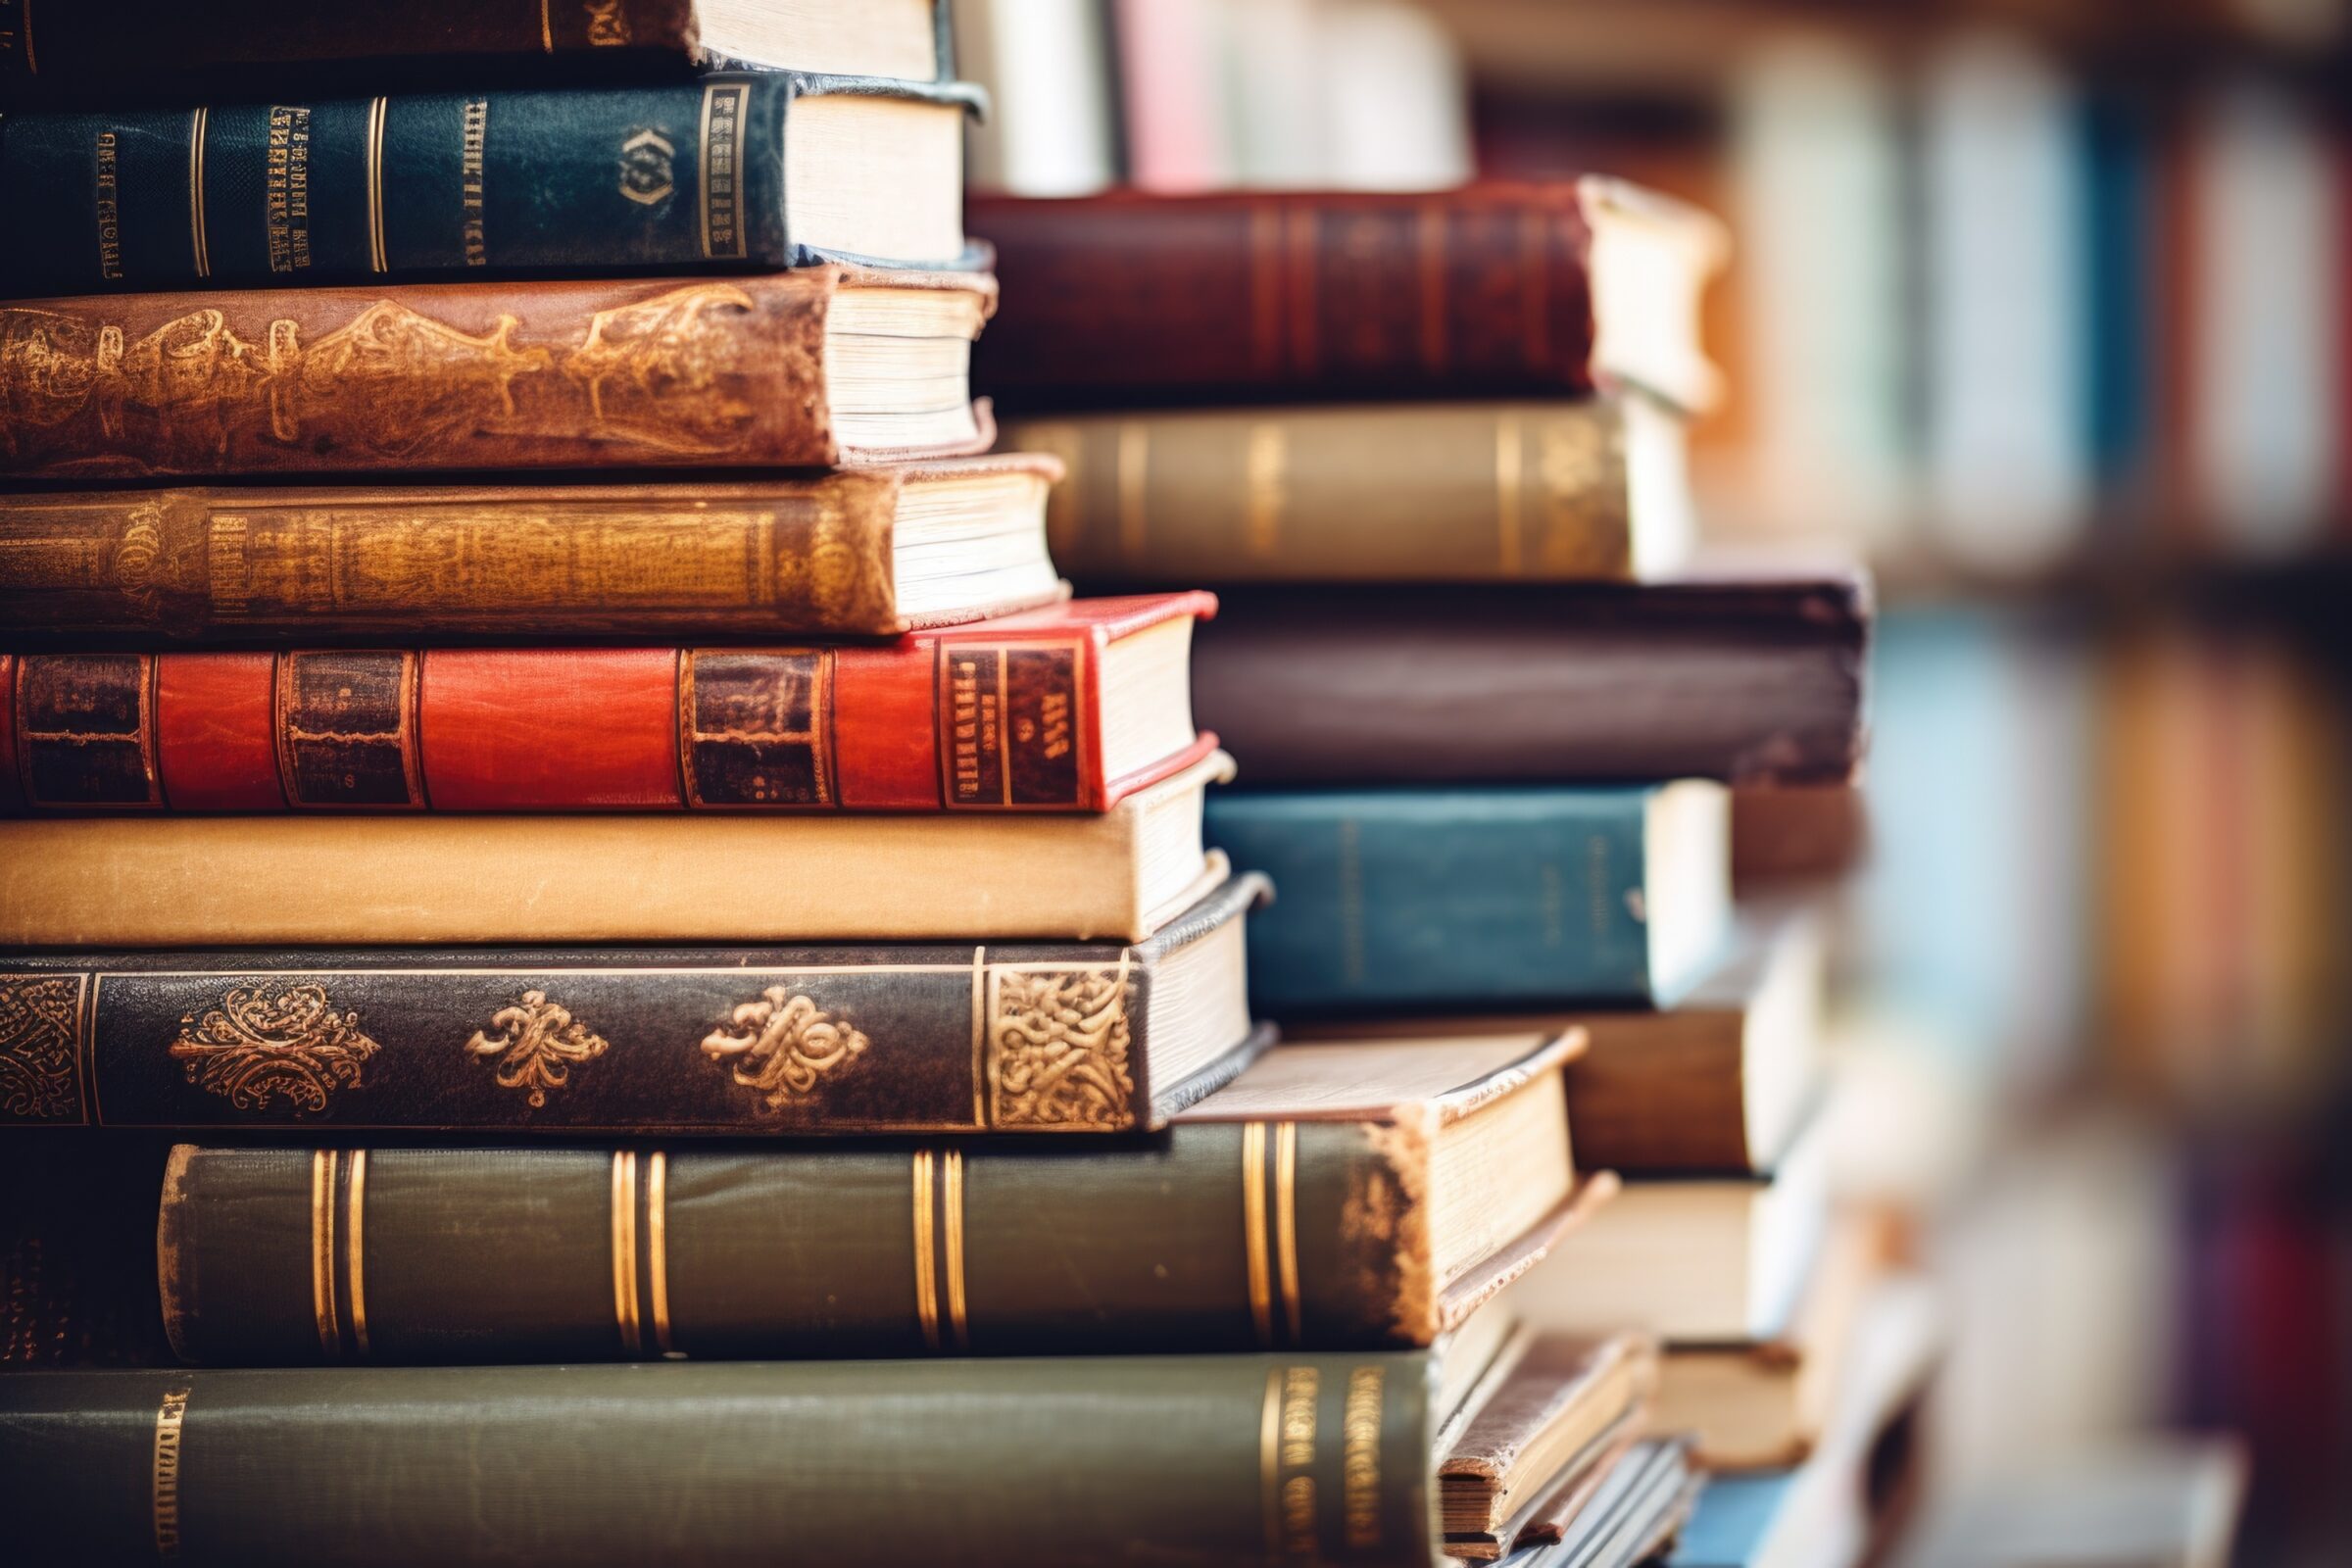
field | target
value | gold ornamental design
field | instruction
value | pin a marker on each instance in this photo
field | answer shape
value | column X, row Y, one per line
column 266, row 1041
column 657, row 372
column 1057, row 1050
column 538, row 1042
column 40, row 1039
column 783, row 1046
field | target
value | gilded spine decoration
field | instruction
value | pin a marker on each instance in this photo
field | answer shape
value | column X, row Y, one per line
column 262, row 1043
column 41, row 1048
column 1057, row 1048
column 537, row 1043
column 783, row 1046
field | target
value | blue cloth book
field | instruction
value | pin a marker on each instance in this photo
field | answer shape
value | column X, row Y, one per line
column 1734, row 1521
column 1481, row 896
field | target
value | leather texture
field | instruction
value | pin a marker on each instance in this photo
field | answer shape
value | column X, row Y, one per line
column 1066, row 1462
column 638, row 374
column 1753, row 678
column 1005, row 715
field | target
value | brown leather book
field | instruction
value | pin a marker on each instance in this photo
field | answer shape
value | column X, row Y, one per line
column 1497, row 288
column 1748, row 673
column 1552, row 1413
column 854, row 553
column 795, row 369
column 1795, row 835
column 1414, row 492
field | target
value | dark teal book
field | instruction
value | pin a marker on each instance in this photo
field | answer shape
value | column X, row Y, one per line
column 755, row 170
column 1468, row 898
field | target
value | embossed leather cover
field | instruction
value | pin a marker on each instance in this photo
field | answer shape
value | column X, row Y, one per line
column 992, row 1246
column 808, row 557
column 1004, row 716
column 663, row 177
column 766, row 1041
column 659, row 373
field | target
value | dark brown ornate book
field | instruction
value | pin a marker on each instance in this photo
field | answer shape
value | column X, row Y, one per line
column 1736, row 672
column 1333, row 1196
column 871, row 552
column 1497, row 288
column 807, row 369
column 1012, row 1037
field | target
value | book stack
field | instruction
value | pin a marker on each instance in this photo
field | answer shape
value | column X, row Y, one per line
column 1508, row 737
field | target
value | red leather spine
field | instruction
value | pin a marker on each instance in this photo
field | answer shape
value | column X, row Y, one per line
column 551, row 729
column 217, row 731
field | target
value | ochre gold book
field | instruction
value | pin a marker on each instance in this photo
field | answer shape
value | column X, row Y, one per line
column 1331, row 1197
column 679, row 877
column 856, row 553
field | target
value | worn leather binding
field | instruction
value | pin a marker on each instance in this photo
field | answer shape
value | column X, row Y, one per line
column 761, row 1040
column 711, row 373
column 985, row 1247
column 1002, row 716
column 686, row 175
column 752, row 560
column 1066, row 1461
column 1751, row 677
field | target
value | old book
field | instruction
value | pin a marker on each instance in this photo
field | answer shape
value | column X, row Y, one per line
column 1800, row 833
column 1496, row 288
column 1749, row 674
column 1333, row 1197
column 1481, row 898
column 1631, row 1513
column 684, row 877
column 1068, row 708
column 802, row 370
column 770, row 1041
column 724, row 172
column 1469, row 492
column 1563, row 1397
column 1696, row 1260
column 869, row 552
column 150, row 49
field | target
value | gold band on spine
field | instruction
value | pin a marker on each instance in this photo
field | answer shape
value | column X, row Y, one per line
column 355, row 1248
column 926, row 1278
column 547, row 28
column 1286, row 1222
column 624, row 1251
column 171, row 1421
column 1269, row 1462
column 656, row 1243
column 196, row 240
column 1254, row 1230
column 322, row 1250
column 375, row 185
column 950, row 1214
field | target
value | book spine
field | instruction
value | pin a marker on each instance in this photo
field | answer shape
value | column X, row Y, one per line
column 1643, row 1104
column 659, row 177
column 1528, row 491
column 717, row 373
column 1442, row 896
column 274, row 567
column 1009, row 722
column 77, row 52
column 794, row 1041
column 1079, row 1459
column 1346, row 295
column 510, row 1255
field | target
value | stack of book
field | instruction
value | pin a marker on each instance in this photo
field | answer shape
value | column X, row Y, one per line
column 1489, row 697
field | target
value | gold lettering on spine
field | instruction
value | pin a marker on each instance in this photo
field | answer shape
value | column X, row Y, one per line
column 926, row 1279
column 624, row 1251
column 355, row 1265
column 1254, row 1230
column 376, row 110
column 473, row 146
column 950, row 1214
column 1360, row 1457
column 196, row 243
column 1508, row 462
column 322, row 1251
column 286, row 188
column 721, row 167
column 170, row 1420
column 1286, row 1222
column 109, row 206
column 1299, row 1385
column 657, row 1247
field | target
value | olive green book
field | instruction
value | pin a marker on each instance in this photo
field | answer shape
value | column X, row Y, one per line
column 1342, row 1195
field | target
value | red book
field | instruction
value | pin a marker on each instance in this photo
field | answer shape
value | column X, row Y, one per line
column 1067, row 708
column 1540, row 287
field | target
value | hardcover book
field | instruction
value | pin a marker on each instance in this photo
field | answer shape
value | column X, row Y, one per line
column 1731, row 671
column 1068, row 708
column 867, row 1038
column 1625, row 1510
column 1501, row 288
column 150, row 48
column 868, row 551
column 1568, row 1399
column 1471, row 492
column 1479, row 898
column 1333, row 1196
column 803, row 370
column 738, row 171
column 681, row 877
